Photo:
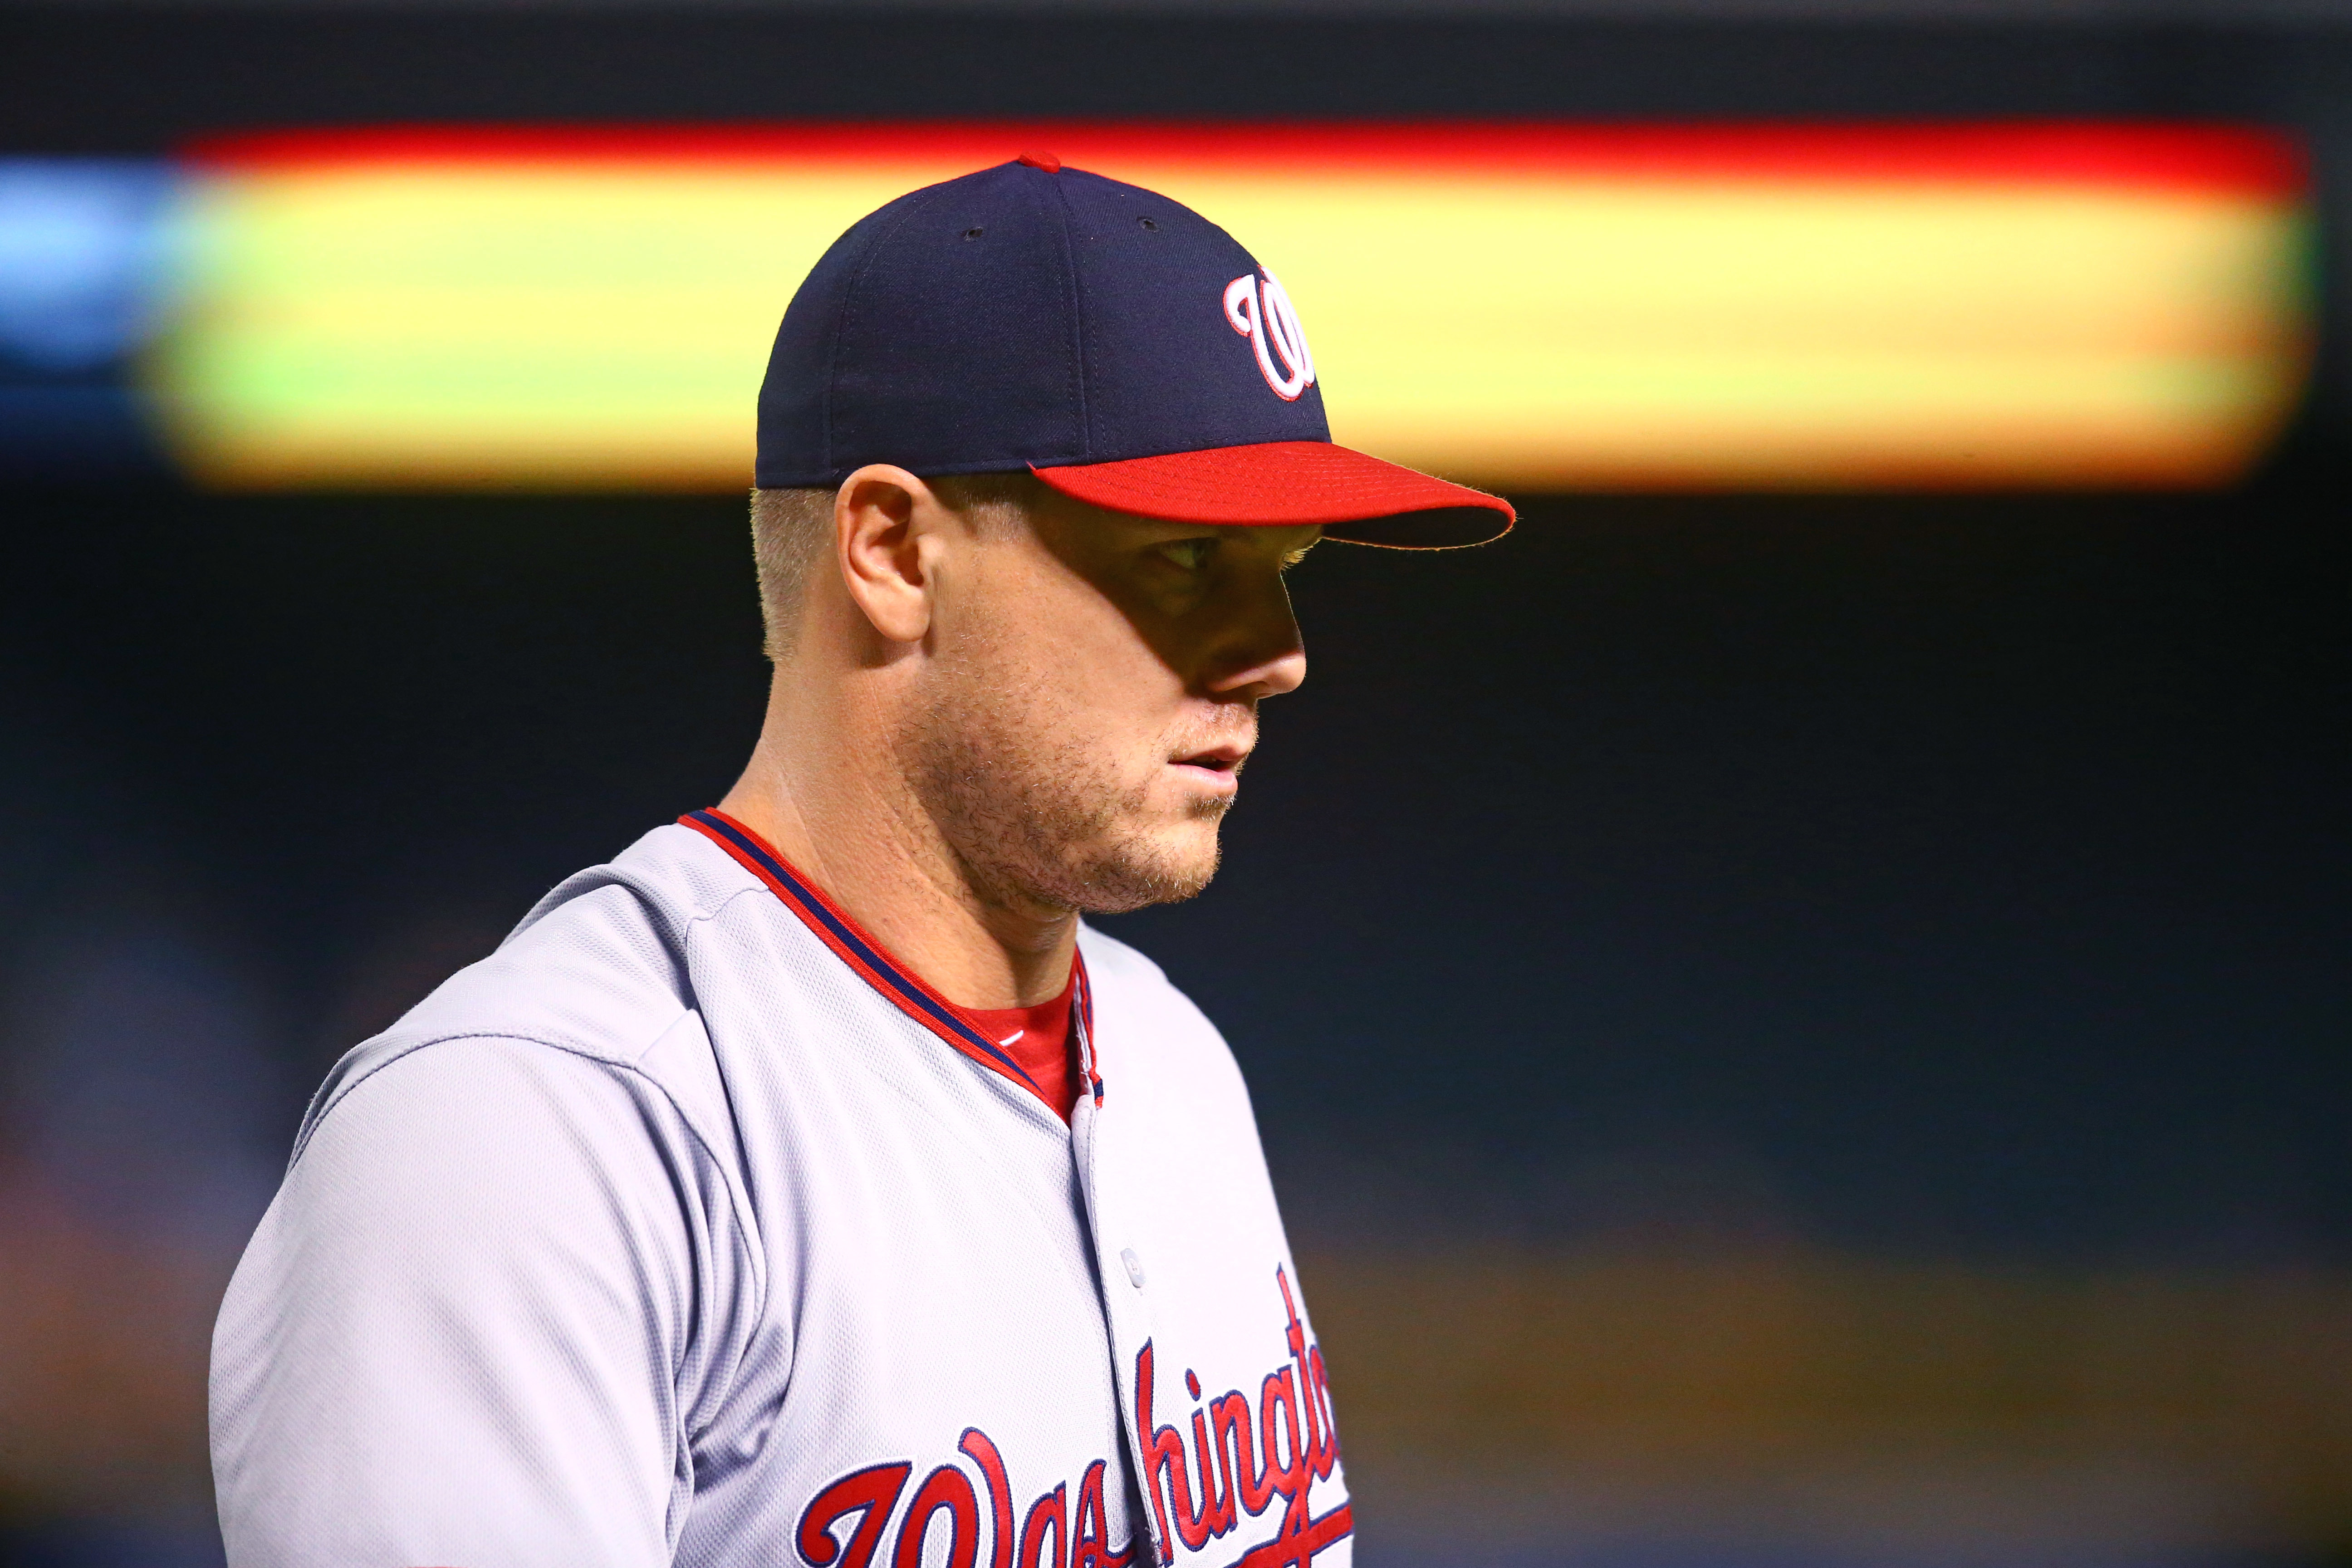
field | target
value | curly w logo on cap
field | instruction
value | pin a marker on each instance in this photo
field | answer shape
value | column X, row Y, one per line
column 1266, row 318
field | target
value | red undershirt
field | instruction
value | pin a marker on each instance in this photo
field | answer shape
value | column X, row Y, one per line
column 1039, row 1039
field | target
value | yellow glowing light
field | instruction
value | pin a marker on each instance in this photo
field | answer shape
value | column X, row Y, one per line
column 1510, row 308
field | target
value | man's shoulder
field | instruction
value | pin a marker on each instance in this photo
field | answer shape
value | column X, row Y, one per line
column 594, row 980
column 599, row 966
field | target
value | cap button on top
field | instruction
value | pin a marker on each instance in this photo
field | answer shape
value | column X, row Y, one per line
column 1046, row 161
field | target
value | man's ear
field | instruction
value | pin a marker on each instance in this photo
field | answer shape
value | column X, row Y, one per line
column 886, row 540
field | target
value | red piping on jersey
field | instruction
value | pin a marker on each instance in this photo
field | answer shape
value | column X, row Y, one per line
column 872, row 962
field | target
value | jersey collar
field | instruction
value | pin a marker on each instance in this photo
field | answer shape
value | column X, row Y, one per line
column 849, row 941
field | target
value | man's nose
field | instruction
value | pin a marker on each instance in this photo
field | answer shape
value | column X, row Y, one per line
column 1271, row 679
column 1266, row 659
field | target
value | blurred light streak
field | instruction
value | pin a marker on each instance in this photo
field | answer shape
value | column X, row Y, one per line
column 1530, row 306
column 87, row 258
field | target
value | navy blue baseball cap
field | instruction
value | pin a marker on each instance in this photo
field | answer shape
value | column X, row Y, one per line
column 1113, row 342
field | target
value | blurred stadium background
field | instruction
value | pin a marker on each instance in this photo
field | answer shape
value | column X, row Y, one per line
column 1799, row 1006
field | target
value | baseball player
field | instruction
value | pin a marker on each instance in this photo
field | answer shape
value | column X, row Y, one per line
column 810, row 1184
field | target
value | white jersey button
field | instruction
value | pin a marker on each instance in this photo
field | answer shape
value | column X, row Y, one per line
column 1134, row 1266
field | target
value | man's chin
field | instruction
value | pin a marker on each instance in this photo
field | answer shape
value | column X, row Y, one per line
column 1163, row 869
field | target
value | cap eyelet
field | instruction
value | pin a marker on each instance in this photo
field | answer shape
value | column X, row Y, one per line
column 1147, row 224
column 973, row 233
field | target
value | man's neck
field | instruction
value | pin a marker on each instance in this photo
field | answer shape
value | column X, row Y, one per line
column 877, row 852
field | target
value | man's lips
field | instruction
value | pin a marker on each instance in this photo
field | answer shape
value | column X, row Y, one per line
column 1218, row 764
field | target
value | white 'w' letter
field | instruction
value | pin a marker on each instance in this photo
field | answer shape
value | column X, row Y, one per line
column 1264, row 316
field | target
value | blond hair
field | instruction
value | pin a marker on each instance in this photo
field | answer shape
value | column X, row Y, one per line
column 792, row 537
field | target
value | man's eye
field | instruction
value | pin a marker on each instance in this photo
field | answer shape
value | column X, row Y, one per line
column 1190, row 553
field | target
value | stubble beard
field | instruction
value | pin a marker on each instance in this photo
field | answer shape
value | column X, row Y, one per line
column 1033, row 813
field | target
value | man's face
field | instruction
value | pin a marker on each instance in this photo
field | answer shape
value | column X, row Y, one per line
column 1092, row 695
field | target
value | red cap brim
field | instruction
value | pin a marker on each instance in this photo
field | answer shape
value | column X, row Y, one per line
column 1281, row 484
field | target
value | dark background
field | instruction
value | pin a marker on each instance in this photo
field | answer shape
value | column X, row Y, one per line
column 1924, row 873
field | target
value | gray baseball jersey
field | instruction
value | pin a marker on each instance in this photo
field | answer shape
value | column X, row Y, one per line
column 689, row 1228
